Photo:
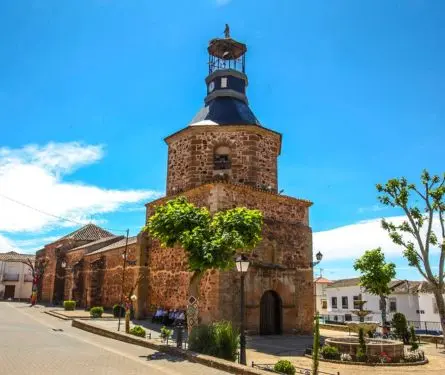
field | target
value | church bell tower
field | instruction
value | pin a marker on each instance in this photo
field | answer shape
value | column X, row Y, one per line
column 224, row 141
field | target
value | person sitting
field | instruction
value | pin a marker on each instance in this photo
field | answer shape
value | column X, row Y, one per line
column 156, row 315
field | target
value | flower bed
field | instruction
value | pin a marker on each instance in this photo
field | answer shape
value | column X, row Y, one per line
column 392, row 364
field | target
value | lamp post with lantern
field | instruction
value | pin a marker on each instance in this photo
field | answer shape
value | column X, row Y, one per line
column 242, row 265
column 318, row 257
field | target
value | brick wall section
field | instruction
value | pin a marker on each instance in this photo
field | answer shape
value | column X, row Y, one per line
column 112, row 278
column 287, row 243
column 254, row 152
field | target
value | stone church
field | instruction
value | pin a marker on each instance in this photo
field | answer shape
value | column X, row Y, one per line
column 224, row 158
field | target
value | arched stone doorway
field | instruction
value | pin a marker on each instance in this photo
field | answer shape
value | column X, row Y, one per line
column 271, row 314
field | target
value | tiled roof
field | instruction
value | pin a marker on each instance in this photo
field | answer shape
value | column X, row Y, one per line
column 404, row 286
column 425, row 287
column 103, row 241
column 116, row 245
column 322, row 280
column 399, row 286
column 13, row 256
column 345, row 282
column 89, row 232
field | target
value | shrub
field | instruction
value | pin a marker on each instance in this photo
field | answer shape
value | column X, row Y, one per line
column 69, row 305
column 201, row 340
column 284, row 367
column 400, row 326
column 226, row 340
column 96, row 312
column 116, row 309
column 360, row 356
column 219, row 339
column 330, row 352
column 138, row 331
column 166, row 333
column 361, row 340
column 414, row 344
column 346, row 357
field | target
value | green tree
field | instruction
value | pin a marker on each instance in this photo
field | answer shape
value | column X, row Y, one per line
column 376, row 275
column 210, row 242
column 416, row 235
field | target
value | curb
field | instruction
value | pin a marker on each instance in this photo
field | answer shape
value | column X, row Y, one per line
column 64, row 317
column 202, row 359
column 56, row 315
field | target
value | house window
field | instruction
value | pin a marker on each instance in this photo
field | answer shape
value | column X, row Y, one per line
column 221, row 158
column 344, row 302
column 224, row 82
column 392, row 305
column 334, row 302
column 324, row 304
column 435, row 308
column 357, row 300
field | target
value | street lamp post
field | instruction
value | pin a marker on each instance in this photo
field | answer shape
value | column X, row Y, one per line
column 318, row 257
column 242, row 265
column 124, row 256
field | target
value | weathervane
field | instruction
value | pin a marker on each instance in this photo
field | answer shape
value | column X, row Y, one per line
column 227, row 31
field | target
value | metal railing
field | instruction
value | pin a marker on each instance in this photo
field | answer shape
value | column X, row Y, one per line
column 340, row 319
column 426, row 328
column 299, row 370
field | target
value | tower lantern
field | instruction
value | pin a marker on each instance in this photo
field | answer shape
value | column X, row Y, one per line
column 226, row 53
column 226, row 101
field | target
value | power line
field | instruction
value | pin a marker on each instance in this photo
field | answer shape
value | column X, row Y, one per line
column 52, row 215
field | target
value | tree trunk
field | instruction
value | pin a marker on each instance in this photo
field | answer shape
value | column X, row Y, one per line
column 441, row 307
column 383, row 305
column 193, row 301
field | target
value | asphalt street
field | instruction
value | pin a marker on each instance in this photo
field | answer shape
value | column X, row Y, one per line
column 32, row 342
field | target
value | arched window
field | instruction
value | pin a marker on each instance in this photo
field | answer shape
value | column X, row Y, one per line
column 221, row 158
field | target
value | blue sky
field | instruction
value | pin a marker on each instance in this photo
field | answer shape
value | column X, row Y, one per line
column 356, row 88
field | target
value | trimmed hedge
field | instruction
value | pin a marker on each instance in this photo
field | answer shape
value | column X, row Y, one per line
column 138, row 331
column 96, row 312
column 69, row 305
column 284, row 367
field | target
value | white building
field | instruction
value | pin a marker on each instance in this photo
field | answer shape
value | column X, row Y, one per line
column 15, row 276
column 321, row 299
column 412, row 298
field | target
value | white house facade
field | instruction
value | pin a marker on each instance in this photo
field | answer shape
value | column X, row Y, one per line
column 321, row 299
column 411, row 298
column 15, row 276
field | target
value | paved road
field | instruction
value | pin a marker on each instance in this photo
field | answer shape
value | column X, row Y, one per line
column 30, row 345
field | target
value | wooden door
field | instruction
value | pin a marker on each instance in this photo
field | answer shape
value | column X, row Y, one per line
column 270, row 314
column 9, row 291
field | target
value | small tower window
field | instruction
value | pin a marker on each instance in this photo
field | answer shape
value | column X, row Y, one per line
column 224, row 82
column 221, row 158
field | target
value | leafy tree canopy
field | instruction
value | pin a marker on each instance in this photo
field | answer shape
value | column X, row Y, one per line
column 375, row 272
column 210, row 241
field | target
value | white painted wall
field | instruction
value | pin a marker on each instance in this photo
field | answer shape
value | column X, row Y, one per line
column 406, row 304
column 23, row 288
column 427, row 306
column 320, row 295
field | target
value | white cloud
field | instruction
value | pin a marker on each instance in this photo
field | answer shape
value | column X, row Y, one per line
column 5, row 244
column 34, row 175
column 351, row 241
column 374, row 208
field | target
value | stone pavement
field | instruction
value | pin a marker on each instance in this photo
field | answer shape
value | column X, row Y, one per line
column 36, row 343
column 269, row 349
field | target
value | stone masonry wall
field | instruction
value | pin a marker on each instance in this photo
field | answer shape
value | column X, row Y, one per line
column 286, row 246
column 254, row 152
column 112, row 277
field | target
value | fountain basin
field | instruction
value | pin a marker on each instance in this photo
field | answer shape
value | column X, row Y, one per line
column 374, row 347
